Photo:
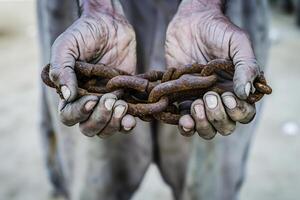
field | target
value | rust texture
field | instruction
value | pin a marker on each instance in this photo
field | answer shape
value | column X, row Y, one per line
column 155, row 95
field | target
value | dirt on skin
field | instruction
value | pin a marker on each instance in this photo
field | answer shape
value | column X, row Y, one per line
column 273, row 170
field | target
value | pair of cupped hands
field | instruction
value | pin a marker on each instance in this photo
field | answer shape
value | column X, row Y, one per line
column 195, row 35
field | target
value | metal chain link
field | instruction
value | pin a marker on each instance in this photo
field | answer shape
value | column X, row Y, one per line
column 156, row 94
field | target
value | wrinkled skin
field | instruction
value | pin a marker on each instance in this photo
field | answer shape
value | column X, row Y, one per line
column 201, row 33
column 196, row 34
column 102, row 37
column 193, row 168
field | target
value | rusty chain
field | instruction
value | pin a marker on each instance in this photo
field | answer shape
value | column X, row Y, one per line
column 156, row 94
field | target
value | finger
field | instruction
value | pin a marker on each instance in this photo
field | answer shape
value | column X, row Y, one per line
column 77, row 111
column 186, row 125
column 114, row 125
column 128, row 123
column 203, row 126
column 63, row 55
column 246, row 67
column 216, row 114
column 238, row 110
column 100, row 116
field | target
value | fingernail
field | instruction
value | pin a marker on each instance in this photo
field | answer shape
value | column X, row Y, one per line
column 211, row 101
column 90, row 105
column 66, row 92
column 248, row 88
column 127, row 128
column 199, row 110
column 109, row 103
column 128, row 122
column 186, row 129
column 229, row 102
column 119, row 110
column 188, row 123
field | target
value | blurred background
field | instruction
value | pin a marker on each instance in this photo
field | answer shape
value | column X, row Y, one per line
column 273, row 170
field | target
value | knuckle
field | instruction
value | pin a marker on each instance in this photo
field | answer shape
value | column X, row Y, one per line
column 54, row 74
column 217, row 117
column 101, row 120
column 100, row 117
column 207, row 134
column 66, row 119
column 59, row 74
column 247, row 118
column 245, row 110
column 200, row 118
column 222, row 123
column 114, row 127
column 225, row 131
column 71, row 115
column 105, row 134
column 88, row 129
column 204, row 127
column 82, row 110
column 237, row 117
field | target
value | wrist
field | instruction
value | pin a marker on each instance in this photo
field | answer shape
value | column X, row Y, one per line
column 95, row 7
column 201, row 5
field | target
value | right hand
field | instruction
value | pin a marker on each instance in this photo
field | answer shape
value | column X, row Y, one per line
column 100, row 38
column 200, row 33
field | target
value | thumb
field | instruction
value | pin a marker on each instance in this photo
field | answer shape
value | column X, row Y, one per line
column 63, row 56
column 245, row 74
column 246, row 67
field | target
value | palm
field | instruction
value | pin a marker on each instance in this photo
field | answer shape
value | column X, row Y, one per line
column 197, row 38
column 102, row 40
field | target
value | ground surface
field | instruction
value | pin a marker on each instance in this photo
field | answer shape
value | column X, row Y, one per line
column 273, row 170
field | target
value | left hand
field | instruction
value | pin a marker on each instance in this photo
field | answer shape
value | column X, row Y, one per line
column 199, row 34
column 100, row 35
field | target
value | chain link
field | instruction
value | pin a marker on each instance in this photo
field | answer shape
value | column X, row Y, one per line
column 157, row 94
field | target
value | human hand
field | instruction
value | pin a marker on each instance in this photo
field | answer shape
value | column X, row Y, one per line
column 200, row 33
column 101, row 35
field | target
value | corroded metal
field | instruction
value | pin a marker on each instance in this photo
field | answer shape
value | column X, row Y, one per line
column 156, row 94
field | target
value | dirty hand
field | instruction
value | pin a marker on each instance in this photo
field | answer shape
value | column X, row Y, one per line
column 200, row 33
column 100, row 35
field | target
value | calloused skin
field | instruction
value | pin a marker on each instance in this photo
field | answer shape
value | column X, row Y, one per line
column 199, row 33
column 98, row 36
